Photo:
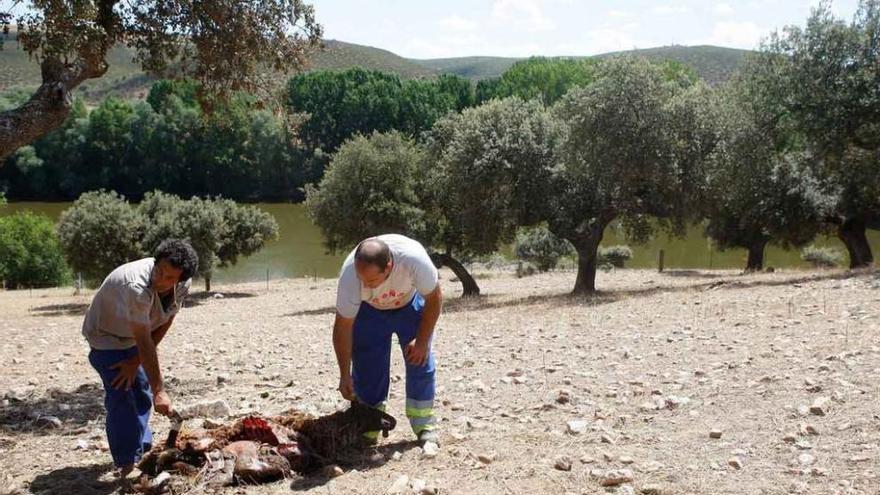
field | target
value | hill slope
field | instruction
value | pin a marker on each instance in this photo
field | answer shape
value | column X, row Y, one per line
column 125, row 78
column 713, row 63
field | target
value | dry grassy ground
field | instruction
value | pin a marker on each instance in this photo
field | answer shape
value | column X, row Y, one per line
column 644, row 371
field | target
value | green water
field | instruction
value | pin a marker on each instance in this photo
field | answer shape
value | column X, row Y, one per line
column 299, row 253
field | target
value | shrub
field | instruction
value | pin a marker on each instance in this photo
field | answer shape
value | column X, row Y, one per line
column 525, row 269
column 30, row 255
column 538, row 246
column 821, row 257
column 98, row 233
column 616, row 256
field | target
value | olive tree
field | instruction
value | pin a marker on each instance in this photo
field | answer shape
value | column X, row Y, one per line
column 761, row 191
column 489, row 174
column 824, row 79
column 634, row 146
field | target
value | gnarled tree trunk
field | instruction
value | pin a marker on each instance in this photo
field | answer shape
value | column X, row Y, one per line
column 852, row 233
column 468, row 284
column 755, row 262
column 50, row 105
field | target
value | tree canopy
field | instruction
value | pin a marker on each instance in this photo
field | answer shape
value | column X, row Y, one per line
column 226, row 45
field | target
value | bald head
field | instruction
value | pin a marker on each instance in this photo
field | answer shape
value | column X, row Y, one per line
column 374, row 252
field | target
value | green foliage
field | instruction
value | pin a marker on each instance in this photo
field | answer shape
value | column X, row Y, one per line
column 616, row 256
column 489, row 173
column 239, row 151
column 30, row 255
column 162, row 92
column 541, row 248
column 249, row 229
column 100, row 232
column 198, row 221
column 821, row 257
column 760, row 190
column 371, row 187
column 633, row 147
column 823, row 81
column 546, row 79
column 339, row 105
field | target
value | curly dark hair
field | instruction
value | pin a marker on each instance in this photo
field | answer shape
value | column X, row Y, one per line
column 180, row 254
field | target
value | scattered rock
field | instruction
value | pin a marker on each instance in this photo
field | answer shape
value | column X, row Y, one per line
column 735, row 462
column 563, row 397
column 576, row 427
column 806, row 459
column 400, row 486
column 49, row 422
column 625, row 490
column 820, row 406
column 715, row 433
column 487, row 458
column 396, row 456
column 418, row 485
column 207, row 409
column 651, row 489
column 625, row 459
column 616, row 477
column 607, row 439
column 562, row 463
column 332, row 471
column 430, row 450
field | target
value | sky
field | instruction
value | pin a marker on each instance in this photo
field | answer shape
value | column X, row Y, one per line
column 520, row 28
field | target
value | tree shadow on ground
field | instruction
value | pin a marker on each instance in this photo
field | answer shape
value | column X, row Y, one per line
column 605, row 297
column 689, row 274
column 360, row 459
column 70, row 309
column 329, row 310
column 74, row 409
column 199, row 298
column 79, row 480
column 77, row 409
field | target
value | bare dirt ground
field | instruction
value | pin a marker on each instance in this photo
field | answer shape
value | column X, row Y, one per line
column 785, row 366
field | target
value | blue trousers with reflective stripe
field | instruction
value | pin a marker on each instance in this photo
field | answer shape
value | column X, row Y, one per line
column 371, row 353
column 128, row 411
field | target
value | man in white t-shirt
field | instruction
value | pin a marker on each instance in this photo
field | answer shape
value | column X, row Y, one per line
column 388, row 284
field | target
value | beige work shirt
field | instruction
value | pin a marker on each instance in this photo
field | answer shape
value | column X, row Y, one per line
column 126, row 300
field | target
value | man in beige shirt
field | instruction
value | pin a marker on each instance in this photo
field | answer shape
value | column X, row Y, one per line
column 127, row 319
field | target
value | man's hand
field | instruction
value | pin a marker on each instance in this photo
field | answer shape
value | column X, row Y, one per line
column 417, row 353
column 346, row 387
column 162, row 403
column 128, row 369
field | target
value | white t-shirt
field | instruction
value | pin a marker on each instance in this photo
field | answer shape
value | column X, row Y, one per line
column 412, row 270
column 125, row 300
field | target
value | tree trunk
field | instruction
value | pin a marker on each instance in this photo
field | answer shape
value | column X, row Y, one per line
column 468, row 284
column 208, row 283
column 51, row 103
column 852, row 233
column 588, row 256
column 755, row 262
